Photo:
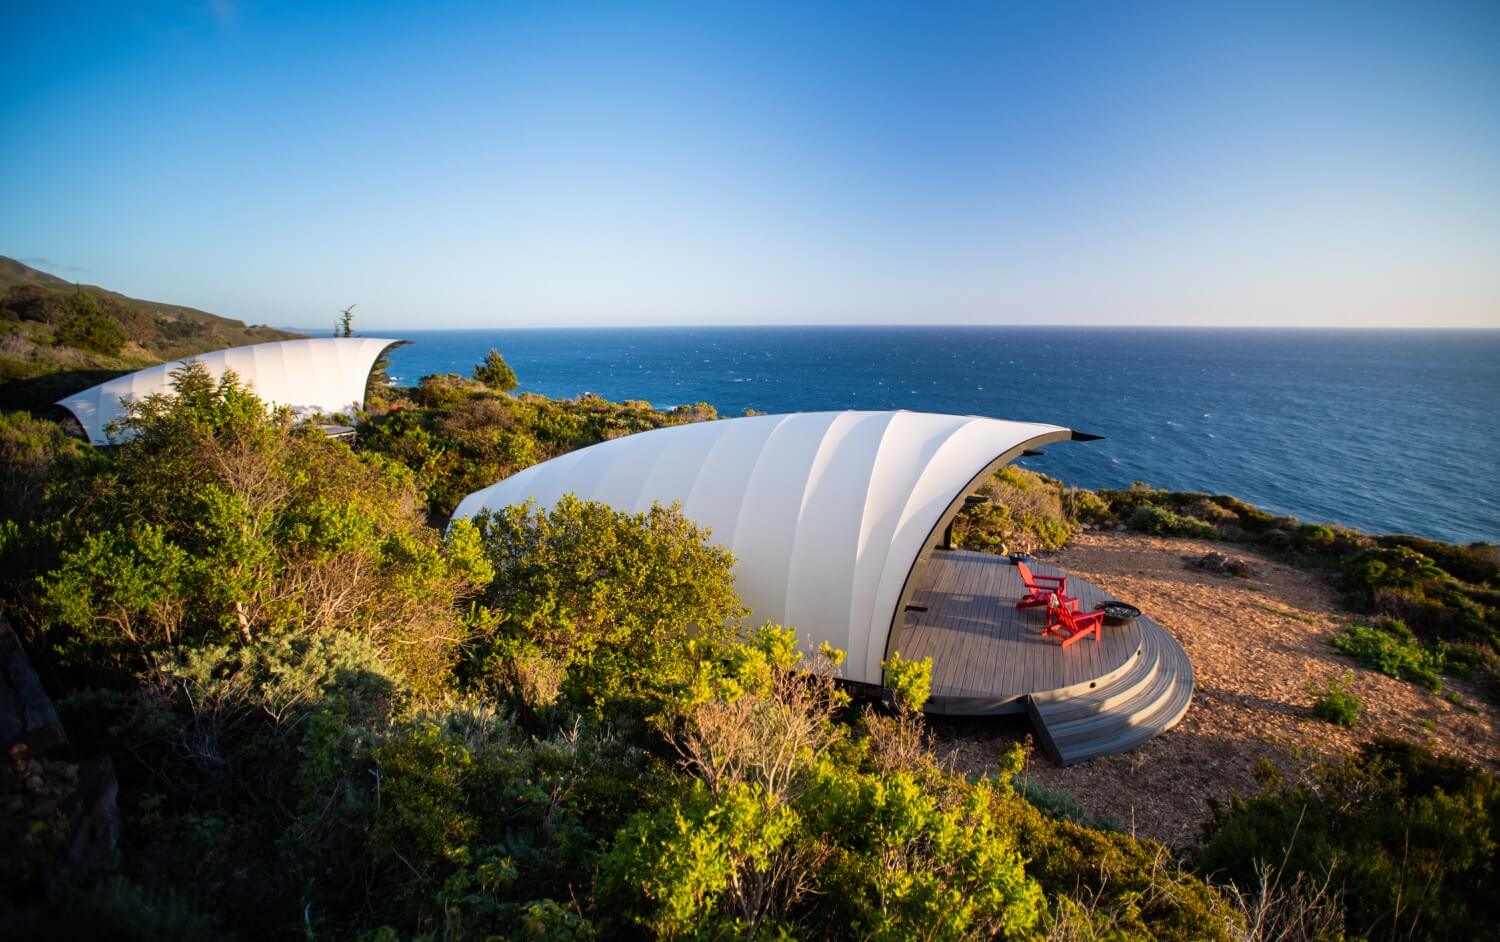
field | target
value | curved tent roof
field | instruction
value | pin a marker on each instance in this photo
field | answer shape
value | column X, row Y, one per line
column 827, row 513
column 326, row 374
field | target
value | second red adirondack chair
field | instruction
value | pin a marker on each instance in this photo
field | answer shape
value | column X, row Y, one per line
column 1064, row 618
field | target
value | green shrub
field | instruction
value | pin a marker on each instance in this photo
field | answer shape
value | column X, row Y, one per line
column 1211, row 511
column 1110, row 885
column 1390, row 647
column 1316, row 536
column 910, row 682
column 1026, row 511
column 1163, row 522
column 1084, row 504
column 908, row 860
column 1056, row 803
column 480, row 828
column 1393, row 823
column 624, row 602
column 1477, row 563
column 1335, row 703
column 683, row 859
column 1390, row 568
column 36, row 457
column 445, row 390
column 88, row 326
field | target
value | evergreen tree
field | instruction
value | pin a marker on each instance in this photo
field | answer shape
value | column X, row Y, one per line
column 495, row 373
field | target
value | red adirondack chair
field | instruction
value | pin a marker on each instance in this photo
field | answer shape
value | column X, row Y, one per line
column 1040, row 588
column 1064, row 618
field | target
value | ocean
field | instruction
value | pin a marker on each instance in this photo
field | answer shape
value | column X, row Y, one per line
column 1387, row 431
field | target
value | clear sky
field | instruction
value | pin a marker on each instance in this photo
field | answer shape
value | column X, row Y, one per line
column 519, row 164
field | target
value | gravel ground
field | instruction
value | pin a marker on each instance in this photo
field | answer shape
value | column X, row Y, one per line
column 1255, row 645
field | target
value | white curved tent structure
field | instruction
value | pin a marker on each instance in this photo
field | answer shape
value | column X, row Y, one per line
column 828, row 514
column 325, row 374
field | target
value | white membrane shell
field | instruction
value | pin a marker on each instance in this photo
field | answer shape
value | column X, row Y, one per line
column 825, row 512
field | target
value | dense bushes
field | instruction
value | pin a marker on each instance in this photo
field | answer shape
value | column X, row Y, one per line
column 614, row 606
column 218, row 522
column 329, row 719
column 1163, row 522
column 478, row 824
column 88, row 326
column 1105, row 884
column 1388, row 646
column 1408, row 838
column 217, row 597
column 459, row 436
column 784, row 820
column 1026, row 512
column 36, row 457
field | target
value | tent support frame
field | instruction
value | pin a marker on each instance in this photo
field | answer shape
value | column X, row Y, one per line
column 934, row 538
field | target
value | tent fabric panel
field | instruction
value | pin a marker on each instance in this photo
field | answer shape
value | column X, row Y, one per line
column 269, row 369
column 675, row 469
column 769, row 514
column 908, row 445
column 821, row 564
column 716, row 499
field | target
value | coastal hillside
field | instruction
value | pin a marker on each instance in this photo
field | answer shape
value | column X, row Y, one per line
column 57, row 337
column 1263, row 644
column 289, row 699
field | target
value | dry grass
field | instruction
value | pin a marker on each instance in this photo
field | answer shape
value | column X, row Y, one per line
column 1255, row 645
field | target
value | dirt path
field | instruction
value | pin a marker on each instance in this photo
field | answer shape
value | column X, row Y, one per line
column 1255, row 645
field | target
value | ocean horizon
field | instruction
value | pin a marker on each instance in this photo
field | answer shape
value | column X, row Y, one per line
column 1389, row 430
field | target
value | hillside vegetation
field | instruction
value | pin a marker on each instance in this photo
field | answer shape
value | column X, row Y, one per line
column 331, row 719
column 57, row 337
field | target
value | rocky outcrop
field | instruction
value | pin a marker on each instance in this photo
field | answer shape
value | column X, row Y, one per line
column 58, row 815
column 1223, row 565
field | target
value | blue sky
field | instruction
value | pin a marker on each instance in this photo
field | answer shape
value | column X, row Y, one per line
column 522, row 164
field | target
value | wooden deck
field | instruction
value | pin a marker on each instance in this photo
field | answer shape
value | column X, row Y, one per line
column 983, row 647
column 990, row 657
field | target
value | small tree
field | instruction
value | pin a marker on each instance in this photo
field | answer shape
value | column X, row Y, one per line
column 344, row 327
column 495, row 373
column 88, row 326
